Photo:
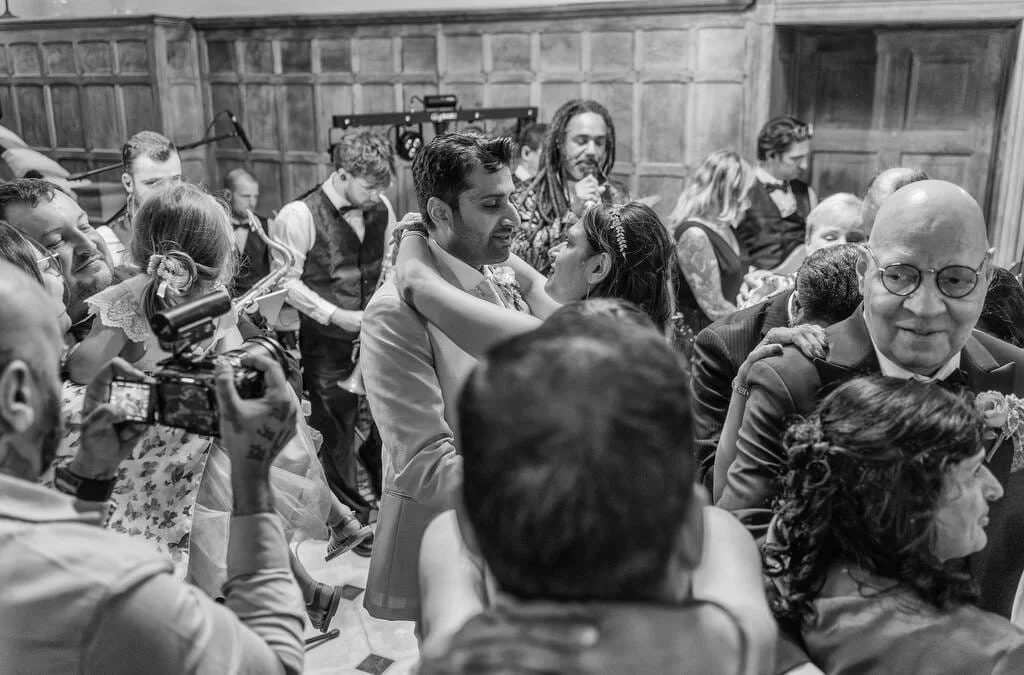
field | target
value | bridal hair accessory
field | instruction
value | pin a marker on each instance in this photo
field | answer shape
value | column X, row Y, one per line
column 173, row 275
column 615, row 214
column 1004, row 413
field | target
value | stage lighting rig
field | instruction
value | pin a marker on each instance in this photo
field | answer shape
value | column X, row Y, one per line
column 440, row 110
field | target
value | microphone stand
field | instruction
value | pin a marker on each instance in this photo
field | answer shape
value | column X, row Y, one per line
column 187, row 146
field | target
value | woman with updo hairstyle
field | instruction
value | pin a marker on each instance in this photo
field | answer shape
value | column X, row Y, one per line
column 886, row 493
column 613, row 251
column 712, row 260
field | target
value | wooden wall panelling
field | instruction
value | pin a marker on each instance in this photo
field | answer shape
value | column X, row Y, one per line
column 674, row 83
column 73, row 89
column 175, row 53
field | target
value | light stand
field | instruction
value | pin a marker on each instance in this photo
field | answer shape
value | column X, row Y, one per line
column 7, row 11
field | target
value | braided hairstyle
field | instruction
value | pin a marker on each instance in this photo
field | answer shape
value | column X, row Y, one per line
column 642, row 257
column 188, row 231
column 549, row 184
column 866, row 473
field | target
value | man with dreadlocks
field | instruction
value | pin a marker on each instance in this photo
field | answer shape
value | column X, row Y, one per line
column 573, row 176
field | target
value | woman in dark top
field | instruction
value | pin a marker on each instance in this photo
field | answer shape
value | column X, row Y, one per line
column 711, row 260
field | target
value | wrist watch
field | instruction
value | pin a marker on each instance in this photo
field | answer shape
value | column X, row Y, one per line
column 86, row 489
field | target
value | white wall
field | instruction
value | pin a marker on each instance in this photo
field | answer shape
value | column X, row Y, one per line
column 35, row 9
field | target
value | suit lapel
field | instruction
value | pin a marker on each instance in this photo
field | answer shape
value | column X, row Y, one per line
column 983, row 371
column 776, row 312
column 850, row 351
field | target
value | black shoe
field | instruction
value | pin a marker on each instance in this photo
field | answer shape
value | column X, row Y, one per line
column 364, row 548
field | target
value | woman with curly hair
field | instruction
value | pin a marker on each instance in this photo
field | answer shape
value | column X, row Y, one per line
column 886, row 493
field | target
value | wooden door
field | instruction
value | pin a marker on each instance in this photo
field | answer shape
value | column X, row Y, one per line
column 928, row 99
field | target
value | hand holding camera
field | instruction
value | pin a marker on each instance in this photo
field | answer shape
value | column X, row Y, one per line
column 108, row 437
column 254, row 430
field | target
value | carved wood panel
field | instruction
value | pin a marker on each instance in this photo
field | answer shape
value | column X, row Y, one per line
column 675, row 84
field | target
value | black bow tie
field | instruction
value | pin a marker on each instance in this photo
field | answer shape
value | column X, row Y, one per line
column 956, row 380
column 244, row 225
column 781, row 187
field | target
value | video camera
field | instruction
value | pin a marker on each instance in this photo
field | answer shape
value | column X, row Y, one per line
column 184, row 394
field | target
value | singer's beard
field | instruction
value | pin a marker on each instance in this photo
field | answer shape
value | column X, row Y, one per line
column 580, row 169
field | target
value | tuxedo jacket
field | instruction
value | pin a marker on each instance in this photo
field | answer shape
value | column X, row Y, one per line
column 413, row 376
column 718, row 352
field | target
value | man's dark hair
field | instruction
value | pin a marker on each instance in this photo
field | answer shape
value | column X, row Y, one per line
column 549, row 184
column 1003, row 312
column 442, row 167
column 578, row 462
column 28, row 191
column 779, row 134
column 826, row 285
column 149, row 144
column 532, row 136
column 365, row 155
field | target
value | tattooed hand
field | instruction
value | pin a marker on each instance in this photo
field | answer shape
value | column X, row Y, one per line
column 253, row 431
column 107, row 438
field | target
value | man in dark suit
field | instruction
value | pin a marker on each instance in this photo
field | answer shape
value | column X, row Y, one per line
column 923, row 276
column 826, row 292
column 242, row 193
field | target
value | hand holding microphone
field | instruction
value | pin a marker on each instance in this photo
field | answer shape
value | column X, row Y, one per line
column 588, row 192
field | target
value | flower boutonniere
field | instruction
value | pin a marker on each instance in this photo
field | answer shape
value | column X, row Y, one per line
column 504, row 278
column 1003, row 414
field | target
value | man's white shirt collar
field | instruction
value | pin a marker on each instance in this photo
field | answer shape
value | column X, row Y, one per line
column 766, row 178
column 336, row 197
column 890, row 368
column 523, row 174
column 468, row 276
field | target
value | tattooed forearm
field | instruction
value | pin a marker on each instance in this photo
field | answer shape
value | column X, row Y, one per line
column 700, row 269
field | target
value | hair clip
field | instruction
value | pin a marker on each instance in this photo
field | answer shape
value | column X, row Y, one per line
column 171, row 272
column 615, row 215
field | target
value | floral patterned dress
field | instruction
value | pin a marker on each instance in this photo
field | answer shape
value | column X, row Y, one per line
column 175, row 490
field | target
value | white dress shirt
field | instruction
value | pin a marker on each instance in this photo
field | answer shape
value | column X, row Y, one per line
column 890, row 368
column 294, row 228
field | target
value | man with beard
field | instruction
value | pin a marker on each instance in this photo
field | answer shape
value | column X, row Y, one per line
column 574, row 175
column 242, row 193
column 150, row 161
column 81, row 598
column 49, row 216
column 337, row 234
column 413, row 371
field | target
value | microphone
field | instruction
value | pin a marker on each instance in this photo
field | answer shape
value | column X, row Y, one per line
column 239, row 131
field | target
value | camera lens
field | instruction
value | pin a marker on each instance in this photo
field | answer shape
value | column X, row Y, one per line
column 249, row 382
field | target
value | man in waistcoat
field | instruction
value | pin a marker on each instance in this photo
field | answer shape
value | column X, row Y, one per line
column 776, row 221
column 242, row 193
column 337, row 234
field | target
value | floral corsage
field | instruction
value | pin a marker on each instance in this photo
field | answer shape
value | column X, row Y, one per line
column 504, row 278
column 1004, row 415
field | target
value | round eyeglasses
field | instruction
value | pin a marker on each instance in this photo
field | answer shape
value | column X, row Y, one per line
column 954, row 281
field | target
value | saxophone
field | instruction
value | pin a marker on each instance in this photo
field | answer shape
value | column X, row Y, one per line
column 267, row 283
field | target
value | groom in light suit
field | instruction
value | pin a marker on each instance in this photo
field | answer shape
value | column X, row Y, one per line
column 413, row 373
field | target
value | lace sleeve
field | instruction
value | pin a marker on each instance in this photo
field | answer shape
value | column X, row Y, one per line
column 119, row 307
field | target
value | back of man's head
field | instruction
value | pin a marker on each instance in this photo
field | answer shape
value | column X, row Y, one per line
column 237, row 176
column 151, row 144
column 827, row 287
column 881, row 186
column 442, row 167
column 365, row 155
column 532, row 136
column 578, row 462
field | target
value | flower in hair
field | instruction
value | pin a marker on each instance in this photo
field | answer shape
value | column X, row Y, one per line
column 173, row 275
column 615, row 214
column 1005, row 413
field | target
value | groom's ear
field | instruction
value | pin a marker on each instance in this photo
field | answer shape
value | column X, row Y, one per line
column 439, row 212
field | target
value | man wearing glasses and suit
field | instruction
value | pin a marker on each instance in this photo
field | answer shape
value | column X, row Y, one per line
column 923, row 275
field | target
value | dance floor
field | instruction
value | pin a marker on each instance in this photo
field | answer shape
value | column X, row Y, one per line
column 366, row 645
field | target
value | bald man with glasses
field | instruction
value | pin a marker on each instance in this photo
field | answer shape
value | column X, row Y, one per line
column 923, row 275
